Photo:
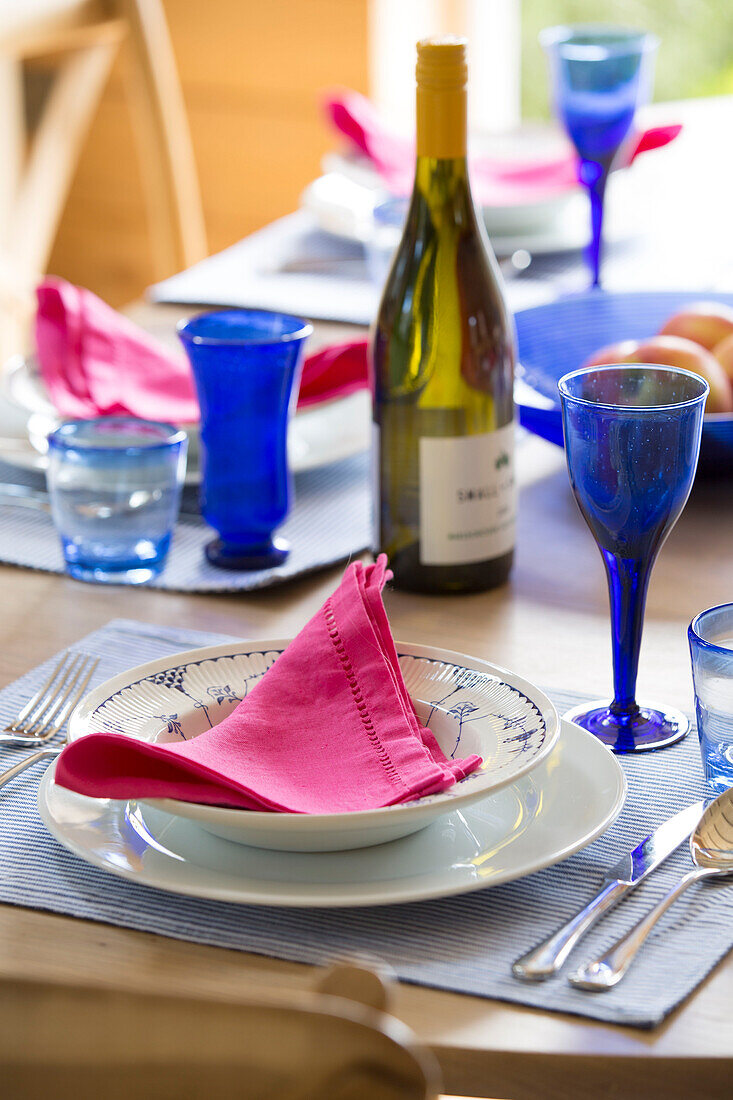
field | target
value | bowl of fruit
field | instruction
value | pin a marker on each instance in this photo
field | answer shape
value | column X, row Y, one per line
column 674, row 328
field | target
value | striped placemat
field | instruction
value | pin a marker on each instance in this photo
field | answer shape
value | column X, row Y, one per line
column 465, row 944
column 330, row 521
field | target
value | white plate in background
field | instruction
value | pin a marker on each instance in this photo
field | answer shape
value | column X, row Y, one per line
column 342, row 205
column 319, row 435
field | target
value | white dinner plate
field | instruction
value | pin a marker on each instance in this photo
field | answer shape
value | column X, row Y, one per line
column 318, row 435
column 470, row 706
column 568, row 801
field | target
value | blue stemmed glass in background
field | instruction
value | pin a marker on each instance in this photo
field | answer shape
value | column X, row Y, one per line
column 246, row 366
column 599, row 76
column 632, row 439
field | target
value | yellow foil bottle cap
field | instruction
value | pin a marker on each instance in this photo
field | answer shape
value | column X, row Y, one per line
column 441, row 63
column 441, row 98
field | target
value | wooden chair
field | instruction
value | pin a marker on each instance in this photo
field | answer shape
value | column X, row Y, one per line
column 82, row 39
column 336, row 1043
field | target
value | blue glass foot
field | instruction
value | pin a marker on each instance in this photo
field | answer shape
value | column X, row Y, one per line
column 265, row 555
column 649, row 728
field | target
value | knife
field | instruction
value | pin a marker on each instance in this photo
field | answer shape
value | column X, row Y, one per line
column 547, row 958
column 41, row 501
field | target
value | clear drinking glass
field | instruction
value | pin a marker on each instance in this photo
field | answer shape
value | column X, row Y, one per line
column 632, row 440
column 711, row 648
column 599, row 76
column 387, row 224
column 115, row 487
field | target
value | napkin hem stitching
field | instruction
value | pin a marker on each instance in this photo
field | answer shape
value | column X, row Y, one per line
column 361, row 703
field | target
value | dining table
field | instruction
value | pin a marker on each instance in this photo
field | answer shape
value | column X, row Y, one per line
column 550, row 624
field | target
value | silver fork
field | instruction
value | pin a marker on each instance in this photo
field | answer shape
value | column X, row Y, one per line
column 45, row 712
column 17, row 769
column 48, row 710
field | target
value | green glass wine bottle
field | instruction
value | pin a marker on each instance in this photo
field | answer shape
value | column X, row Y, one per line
column 442, row 352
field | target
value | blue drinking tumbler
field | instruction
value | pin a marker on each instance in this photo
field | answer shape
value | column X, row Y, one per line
column 246, row 366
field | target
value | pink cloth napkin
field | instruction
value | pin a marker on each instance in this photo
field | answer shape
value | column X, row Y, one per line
column 95, row 362
column 334, row 371
column 495, row 182
column 329, row 728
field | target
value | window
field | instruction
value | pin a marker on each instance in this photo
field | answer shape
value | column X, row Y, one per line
column 492, row 28
column 508, row 71
column 695, row 55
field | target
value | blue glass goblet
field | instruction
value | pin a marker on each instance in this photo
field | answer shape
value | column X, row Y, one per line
column 246, row 366
column 599, row 76
column 632, row 439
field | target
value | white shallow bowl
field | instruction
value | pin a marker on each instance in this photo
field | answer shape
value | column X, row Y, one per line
column 565, row 803
column 470, row 705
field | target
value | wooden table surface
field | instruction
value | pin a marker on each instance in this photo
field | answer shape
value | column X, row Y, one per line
column 550, row 623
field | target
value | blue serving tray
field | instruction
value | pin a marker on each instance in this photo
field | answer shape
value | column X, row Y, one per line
column 558, row 337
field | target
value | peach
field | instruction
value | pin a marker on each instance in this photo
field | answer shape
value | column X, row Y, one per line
column 723, row 352
column 622, row 352
column 706, row 323
column 675, row 351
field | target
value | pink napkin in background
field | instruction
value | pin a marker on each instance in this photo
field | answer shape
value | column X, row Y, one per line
column 95, row 362
column 496, row 182
column 329, row 728
column 335, row 371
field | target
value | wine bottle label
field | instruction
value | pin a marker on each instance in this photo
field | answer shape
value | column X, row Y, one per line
column 467, row 497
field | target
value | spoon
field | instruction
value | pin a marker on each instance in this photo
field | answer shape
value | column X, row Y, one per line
column 711, row 848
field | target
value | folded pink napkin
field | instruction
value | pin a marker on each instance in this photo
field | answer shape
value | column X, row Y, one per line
column 95, row 362
column 334, row 371
column 495, row 182
column 329, row 728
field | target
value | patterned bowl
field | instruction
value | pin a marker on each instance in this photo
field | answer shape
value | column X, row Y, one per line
column 558, row 337
column 470, row 705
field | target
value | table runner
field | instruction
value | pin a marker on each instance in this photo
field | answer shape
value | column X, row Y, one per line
column 330, row 522
column 465, row 944
column 293, row 266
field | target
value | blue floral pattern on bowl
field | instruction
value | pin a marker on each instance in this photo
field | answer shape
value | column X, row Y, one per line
column 470, row 706
column 468, row 710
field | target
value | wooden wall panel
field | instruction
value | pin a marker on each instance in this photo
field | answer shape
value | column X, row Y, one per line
column 253, row 72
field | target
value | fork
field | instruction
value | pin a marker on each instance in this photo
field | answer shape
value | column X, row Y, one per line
column 48, row 710
column 17, row 769
column 45, row 712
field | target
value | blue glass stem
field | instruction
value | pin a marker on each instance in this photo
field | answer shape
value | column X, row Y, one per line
column 628, row 580
column 595, row 176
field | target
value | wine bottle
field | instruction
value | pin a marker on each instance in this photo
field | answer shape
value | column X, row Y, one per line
column 442, row 352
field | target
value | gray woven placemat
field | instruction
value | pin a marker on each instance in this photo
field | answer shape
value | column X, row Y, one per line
column 465, row 944
column 330, row 521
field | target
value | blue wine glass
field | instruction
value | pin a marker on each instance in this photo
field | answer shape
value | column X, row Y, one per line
column 246, row 366
column 632, row 439
column 599, row 76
